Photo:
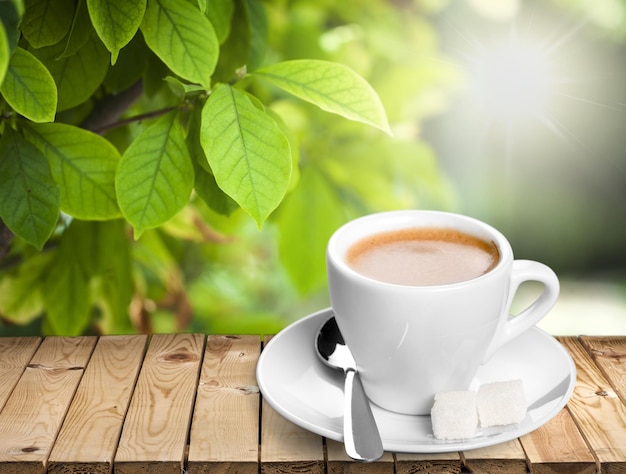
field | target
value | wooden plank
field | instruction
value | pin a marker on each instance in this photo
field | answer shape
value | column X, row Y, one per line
column 339, row 462
column 225, row 427
column 88, row 438
column 154, row 436
column 558, row 446
column 435, row 463
column 597, row 410
column 609, row 353
column 286, row 447
column 507, row 457
column 35, row 410
column 15, row 353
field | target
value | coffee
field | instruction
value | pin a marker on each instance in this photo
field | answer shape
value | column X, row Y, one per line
column 422, row 256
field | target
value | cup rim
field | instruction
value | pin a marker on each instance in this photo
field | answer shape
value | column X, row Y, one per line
column 335, row 256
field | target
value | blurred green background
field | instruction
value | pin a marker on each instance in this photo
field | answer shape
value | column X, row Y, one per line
column 551, row 174
column 542, row 160
column 552, row 177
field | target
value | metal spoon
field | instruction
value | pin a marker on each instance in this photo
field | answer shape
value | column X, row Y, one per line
column 360, row 434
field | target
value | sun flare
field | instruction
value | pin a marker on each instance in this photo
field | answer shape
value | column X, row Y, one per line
column 512, row 80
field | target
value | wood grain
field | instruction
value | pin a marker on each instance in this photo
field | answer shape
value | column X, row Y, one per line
column 69, row 405
column 15, row 353
column 339, row 462
column 286, row 447
column 507, row 457
column 597, row 410
column 609, row 353
column 154, row 436
column 33, row 414
column 558, row 446
column 432, row 463
column 88, row 439
column 225, row 427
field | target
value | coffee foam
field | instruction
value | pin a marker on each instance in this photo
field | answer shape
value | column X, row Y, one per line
column 422, row 256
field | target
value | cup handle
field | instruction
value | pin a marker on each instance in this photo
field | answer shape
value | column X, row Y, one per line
column 512, row 326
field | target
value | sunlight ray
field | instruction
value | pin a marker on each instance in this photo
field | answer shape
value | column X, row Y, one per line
column 467, row 39
column 557, row 40
column 580, row 152
column 523, row 76
column 593, row 102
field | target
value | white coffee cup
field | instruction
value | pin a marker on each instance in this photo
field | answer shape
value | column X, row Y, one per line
column 411, row 342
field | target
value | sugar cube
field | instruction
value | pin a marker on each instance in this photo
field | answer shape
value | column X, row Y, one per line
column 501, row 403
column 454, row 415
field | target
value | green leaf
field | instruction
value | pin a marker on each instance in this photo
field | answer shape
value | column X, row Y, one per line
column 129, row 67
column 183, row 38
column 155, row 175
column 294, row 145
column 247, row 151
column 29, row 198
column 20, row 291
column 46, row 22
column 29, row 88
column 257, row 21
column 235, row 50
column 99, row 266
column 180, row 89
column 66, row 286
column 80, row 31
column 220, row 13
column 11, row 13
column 83, row 164
column 66, row 295
column 332, row 87
column 114, row 288
column 206, row 187
column 4, row 52
column 246, row 42
column 77, row 76
column 194, row 124
column 306, row 220
column 116, row 22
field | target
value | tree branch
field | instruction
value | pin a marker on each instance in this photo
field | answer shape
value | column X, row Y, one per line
column 135, row 118
column 107, row 112
column 6, row 237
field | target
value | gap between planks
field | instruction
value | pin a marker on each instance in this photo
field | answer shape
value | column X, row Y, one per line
column 224, row 433
column 600, row 365
column 52, row 374
column 597, row 404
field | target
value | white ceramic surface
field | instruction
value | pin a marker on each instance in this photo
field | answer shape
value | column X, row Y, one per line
column 299, row 387
column 410, row 342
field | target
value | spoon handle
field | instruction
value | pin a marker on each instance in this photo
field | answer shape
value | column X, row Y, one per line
column 360, row 434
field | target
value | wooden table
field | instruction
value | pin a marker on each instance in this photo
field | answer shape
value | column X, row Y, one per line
column 189, row 403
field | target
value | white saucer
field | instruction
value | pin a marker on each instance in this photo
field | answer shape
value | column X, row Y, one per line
column 306, row 392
